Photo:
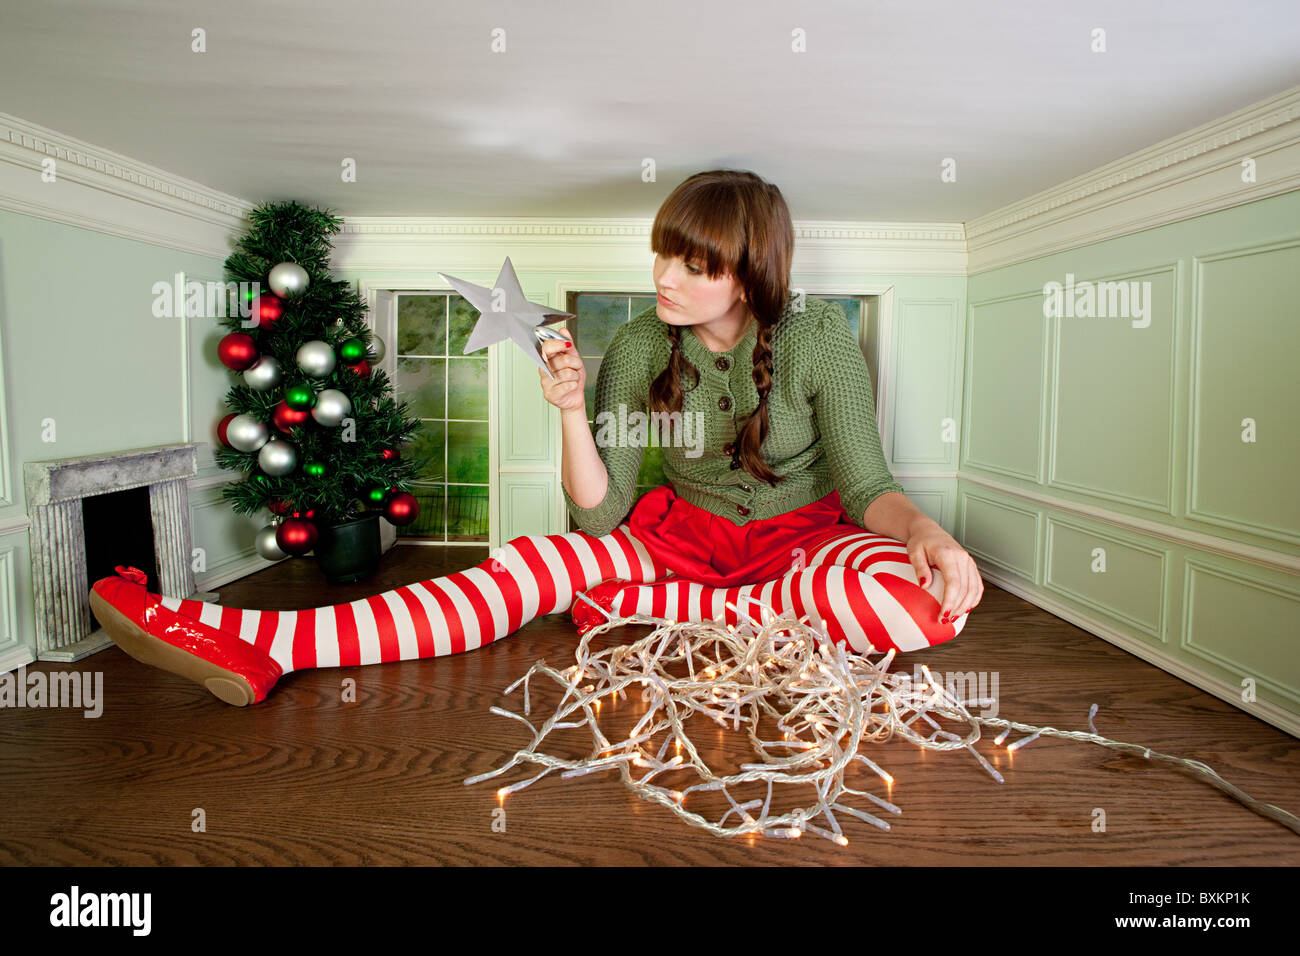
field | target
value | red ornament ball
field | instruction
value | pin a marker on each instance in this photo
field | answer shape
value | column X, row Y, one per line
column 237, row 351
column 296, row 536
column 390, row 454
column 286, row 418
column 361, row 368
column 221, row 429
column 268, row 308
column 280, row 508
column 401, row 507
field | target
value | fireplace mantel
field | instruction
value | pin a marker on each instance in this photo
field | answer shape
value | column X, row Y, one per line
column 58, row 546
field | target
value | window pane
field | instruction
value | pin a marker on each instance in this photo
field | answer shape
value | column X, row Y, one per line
column 592, row 366
column 467, row 388
column 429, row 446
column 430, row 522
column 652, row 467
column 467, row 512
column 599, row 317
column 852, row 310
column 640, row 303
column 421, row 325
column 420, row 381
column 463, row 318
column 467, row 452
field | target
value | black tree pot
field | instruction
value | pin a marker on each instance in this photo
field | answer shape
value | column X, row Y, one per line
column 350, row 551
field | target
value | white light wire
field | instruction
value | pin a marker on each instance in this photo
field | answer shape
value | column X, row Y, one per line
column 825, row 699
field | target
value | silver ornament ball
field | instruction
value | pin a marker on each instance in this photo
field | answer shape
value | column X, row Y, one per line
column 263, row 375
column 277, row 457
column 316, row 358
column 376, row 350
column 331, row 407
column 288, row 280
column 247, row 433
column 265, row 544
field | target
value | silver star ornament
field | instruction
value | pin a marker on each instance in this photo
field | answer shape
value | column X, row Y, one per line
column 506, row 314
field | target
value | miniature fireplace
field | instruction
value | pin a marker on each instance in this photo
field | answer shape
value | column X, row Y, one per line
column 65, row 630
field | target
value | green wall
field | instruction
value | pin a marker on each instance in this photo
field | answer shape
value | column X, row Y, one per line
column 1169, row 451
column 82, row 348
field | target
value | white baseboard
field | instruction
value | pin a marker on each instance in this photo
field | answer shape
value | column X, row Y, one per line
column 12, row 658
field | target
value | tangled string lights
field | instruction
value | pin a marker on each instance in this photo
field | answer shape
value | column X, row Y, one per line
column 824, row 700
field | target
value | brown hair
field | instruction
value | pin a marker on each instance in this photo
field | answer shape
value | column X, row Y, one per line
column 739, row 225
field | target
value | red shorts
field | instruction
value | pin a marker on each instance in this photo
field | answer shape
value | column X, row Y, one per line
column 700, row 546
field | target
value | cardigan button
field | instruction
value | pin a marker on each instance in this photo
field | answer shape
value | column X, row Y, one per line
column 734, row 464
column 745, row 487
column 724, row 403
column 723, row 364
column 727, row 448
column 742, row 509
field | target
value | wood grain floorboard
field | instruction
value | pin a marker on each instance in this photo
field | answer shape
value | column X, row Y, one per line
column 304, row 778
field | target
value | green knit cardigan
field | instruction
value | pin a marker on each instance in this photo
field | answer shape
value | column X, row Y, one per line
column 822, row 431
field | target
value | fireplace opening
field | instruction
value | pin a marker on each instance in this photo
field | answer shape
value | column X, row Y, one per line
column 119, row 531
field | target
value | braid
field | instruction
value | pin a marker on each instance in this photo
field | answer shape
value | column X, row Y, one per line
column 754, row 431
column 666, row 391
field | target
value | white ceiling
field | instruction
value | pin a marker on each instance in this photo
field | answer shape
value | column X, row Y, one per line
column 558, row 125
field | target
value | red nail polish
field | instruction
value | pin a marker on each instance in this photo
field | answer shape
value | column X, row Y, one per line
column 568, row 345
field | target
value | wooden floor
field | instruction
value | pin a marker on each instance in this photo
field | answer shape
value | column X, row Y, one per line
column 304, row 778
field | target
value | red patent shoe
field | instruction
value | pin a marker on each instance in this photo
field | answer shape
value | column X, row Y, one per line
column 604, row 593
column 233, row 670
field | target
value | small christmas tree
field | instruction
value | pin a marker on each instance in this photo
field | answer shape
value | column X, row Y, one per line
column 313, row 424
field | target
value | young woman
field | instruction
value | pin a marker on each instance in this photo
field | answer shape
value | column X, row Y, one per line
column 788, row 499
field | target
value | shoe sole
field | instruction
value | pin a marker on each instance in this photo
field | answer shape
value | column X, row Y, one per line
column 147, row 649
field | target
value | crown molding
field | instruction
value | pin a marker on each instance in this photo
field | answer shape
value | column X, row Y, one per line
column 408, row 245
column 98, row 189
column 1191, row 174
column 636, row 228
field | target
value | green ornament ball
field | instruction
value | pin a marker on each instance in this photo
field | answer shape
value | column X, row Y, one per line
column 377, row 495
column 314, row 469
column 300, row 397
column 352, row 351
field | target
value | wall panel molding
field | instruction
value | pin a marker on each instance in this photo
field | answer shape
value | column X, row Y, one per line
column 1192, row 509
column 966, row 499
column 1163, row 505
column 1264, row 557
column 1154, row 629
column 1195, row 571
column 967, row 416
column 903, row 325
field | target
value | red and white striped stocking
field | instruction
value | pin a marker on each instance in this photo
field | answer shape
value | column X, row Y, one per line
column 860, row 587
column 528, row 576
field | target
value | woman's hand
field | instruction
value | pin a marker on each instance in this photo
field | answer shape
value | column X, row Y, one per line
column 567, row 391
column 929, row 544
